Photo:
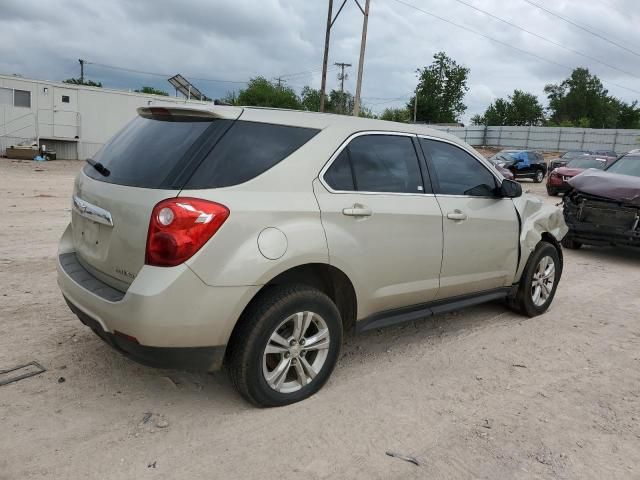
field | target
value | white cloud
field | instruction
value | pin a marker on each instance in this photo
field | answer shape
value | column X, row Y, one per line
column 238, row 39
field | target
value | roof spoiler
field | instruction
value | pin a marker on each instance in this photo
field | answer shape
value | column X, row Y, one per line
column 169, row 112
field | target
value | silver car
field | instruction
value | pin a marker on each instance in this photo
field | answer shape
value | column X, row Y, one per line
column 253, row 238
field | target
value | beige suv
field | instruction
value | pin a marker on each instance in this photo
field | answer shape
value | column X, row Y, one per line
column 255, row 237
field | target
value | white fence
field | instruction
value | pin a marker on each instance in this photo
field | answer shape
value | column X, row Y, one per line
column 548, row 138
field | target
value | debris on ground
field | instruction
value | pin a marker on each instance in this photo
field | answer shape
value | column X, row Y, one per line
column 518, row 365
column 152, row 464
column 404, row 457
column 62, row 380
column 20, row 372
column 146, row 417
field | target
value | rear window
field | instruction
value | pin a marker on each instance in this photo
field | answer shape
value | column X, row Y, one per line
column 189, row 152
column 247, row 150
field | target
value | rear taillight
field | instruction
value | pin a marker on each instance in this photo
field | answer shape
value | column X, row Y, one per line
column 179, row 227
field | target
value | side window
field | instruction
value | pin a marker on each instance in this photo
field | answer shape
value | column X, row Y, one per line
column 247, row 150
column 385, row 163
column 339, row 175
column 457, row 172
column 65, row 98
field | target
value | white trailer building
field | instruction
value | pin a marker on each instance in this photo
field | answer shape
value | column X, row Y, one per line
column 73, row 120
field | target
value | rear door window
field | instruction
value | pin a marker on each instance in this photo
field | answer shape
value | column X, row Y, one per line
column 379, row 163
column 339, row 176
column 247, row 150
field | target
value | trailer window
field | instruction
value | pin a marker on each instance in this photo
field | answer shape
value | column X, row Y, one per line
column 22, row 98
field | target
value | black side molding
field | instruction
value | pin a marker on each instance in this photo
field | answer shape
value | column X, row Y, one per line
column 424, row 310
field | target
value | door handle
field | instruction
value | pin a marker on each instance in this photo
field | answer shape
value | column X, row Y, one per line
column 357, row 210
column 457, row 215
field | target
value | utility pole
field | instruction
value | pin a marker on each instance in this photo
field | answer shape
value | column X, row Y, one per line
column 81, row 70
column 279, row 80
column 415, row 106
column 363, row 41
column 342, row 77
column 323, row 87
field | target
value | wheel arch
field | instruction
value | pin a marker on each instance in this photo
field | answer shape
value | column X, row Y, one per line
column 328, row 279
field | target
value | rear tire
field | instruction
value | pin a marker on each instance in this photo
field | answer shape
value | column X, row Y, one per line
column 552, row 192
column 270, row 362
column 539, row 281
column 570, row 243
column 539, row 176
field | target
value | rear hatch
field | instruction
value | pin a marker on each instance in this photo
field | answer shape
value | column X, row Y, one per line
column 151, row 159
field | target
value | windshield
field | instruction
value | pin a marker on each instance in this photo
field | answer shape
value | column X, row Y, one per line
column 586, row 163
column 573, row 154
column 501, row 157
column 629, row 165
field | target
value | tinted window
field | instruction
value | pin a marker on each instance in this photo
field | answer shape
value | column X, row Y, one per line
column 247, row 150
column 339, row 176
column 147, row 152
column 65, row 98
column 385, row 163
column 457, row 172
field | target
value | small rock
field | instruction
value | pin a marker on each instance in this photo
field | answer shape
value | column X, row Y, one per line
column 162, row 424
column 62, row 380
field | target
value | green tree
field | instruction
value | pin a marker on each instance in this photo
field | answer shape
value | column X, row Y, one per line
column 441, row 89
column 310, row 99
column 397, row 115
column 153, row 91
column 581, row 100
column 77, row 81
column 520, row 109
column 260, row 92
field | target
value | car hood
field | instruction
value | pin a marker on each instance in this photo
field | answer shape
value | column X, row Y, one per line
column 568, row 172
column 536, row 218
column 622, row 188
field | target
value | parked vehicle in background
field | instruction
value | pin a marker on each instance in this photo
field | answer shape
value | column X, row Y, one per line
column 558, row 178
column 603, row 207
column 521, row 163
column 504, row 172
column 252, row 237
column 566, row 157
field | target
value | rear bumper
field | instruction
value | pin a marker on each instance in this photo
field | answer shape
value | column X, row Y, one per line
column 195, row 359
column 168, row 311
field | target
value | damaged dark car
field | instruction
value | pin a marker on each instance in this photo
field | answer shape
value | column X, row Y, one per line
column 603, row 207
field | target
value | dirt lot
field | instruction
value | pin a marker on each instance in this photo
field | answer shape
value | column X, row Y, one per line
column 480, row 393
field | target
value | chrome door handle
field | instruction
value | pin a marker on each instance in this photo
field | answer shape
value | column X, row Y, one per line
column 457, row 215
column 357, row 210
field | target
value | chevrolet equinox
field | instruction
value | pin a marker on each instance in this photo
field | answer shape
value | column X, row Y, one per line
column 253, row 238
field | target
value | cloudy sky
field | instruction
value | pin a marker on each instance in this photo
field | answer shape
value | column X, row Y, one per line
column 234, row 40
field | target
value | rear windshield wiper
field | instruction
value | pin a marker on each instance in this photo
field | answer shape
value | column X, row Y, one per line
column 101, row 169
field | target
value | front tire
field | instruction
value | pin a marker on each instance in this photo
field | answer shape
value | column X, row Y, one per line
column 539, row 281
column 552, row 192
column 285, row 346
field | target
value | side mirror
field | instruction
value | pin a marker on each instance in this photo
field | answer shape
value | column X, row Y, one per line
column 510, row 189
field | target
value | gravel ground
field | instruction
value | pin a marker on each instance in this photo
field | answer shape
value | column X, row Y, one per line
column 479, row 393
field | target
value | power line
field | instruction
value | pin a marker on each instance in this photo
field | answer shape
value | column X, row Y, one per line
column 500, row 42
column 166, row 75
column 541, row 37
column 577, row 25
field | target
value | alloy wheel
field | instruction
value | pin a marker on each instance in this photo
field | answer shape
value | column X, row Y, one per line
column 296, row 352
column 543, row 279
